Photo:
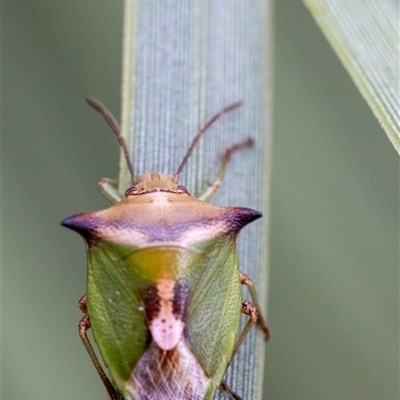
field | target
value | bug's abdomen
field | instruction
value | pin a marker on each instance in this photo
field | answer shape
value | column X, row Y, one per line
column 168, row 374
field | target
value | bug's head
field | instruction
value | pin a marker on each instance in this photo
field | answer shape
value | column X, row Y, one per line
column 154, row 182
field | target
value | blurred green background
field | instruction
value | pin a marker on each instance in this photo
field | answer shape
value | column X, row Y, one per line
column 334, row 289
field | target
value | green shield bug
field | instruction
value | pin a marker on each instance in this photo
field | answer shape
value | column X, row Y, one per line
column 163, row 295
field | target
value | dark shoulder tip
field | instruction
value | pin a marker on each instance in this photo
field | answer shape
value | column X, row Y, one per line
column 239, row 217
column 85, row 224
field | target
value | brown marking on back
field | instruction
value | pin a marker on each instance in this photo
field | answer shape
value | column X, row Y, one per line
column 165, row 306
column 151, row 302
column 180, row 301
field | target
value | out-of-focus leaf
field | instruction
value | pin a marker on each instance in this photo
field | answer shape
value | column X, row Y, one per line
column 365, row 36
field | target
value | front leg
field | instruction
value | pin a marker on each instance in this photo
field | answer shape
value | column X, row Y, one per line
column 109, row 190
column 225, row 158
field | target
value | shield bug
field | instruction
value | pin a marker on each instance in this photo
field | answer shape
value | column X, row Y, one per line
column 163, row 294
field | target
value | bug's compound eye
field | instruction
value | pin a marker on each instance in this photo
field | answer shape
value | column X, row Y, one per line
column 182, row 189
column 131, row 191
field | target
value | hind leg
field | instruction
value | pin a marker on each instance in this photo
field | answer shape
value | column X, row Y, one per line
column 83, row 326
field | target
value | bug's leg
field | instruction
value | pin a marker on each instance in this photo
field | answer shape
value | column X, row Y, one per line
column 82, row 304
column 108, row 189
column 83, row 326
column 227, row 391
column 250, row 310
column 245, row 280
column 226, row 156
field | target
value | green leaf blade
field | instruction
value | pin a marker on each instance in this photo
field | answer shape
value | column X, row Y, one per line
column 183, row 62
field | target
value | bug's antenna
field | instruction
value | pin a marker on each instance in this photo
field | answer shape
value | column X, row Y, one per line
column 200, row 133
column 112, row 123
